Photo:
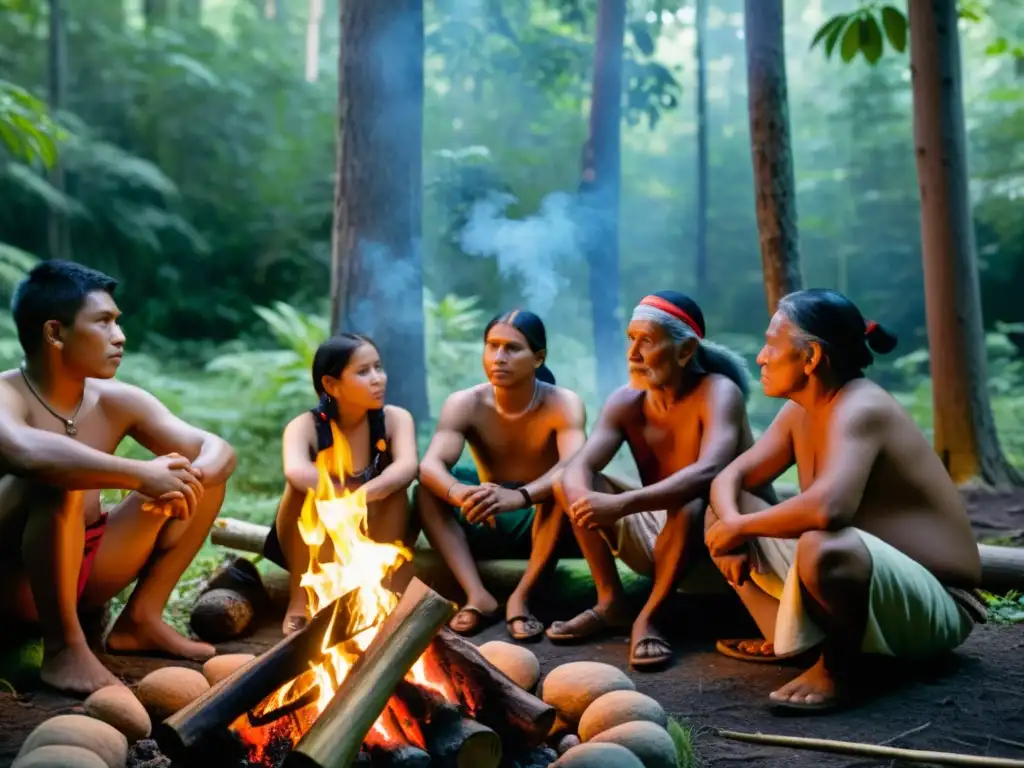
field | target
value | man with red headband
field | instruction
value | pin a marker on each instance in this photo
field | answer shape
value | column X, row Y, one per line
column 683, row 418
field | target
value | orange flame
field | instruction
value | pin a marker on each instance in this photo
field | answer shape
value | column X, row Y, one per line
column 342, row 557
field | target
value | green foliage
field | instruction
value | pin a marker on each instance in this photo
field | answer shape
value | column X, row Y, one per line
column 1005, row 609
column 860, row 31
column 682, row 737
column 27, row 131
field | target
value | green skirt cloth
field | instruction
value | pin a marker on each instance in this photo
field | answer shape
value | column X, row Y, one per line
column 510, row 536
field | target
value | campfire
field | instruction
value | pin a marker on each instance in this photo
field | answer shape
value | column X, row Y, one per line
column 372, row 679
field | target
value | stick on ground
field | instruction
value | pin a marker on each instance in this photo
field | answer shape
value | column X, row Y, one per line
column 871, row 750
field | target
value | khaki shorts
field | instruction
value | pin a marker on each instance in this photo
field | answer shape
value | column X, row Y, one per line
column 633, row 543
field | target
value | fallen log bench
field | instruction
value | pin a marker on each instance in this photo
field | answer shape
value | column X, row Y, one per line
column 1002, row 568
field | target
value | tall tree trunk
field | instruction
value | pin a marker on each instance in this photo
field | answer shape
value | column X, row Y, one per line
column 702, row 144
column 774, row 185
column 315, row 16
column 58, row 230
column 599, row 193
column 376, row 276
column 965, row 433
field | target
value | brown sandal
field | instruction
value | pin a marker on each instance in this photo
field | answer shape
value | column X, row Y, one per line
column 589, row 625
column 731, row 648
column 478, row 620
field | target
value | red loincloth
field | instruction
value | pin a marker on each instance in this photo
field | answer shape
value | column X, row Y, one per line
column 93, row 535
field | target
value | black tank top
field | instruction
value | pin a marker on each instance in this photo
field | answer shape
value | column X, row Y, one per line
column 380, row 446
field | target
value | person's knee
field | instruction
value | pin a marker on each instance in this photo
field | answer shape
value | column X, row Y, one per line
column 557, row 488
column 826, row 560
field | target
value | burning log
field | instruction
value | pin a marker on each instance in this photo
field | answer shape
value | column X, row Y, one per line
column 251, row 683
column 452, row 740
column 518, row 717
column 335, row 738
column 395, row 750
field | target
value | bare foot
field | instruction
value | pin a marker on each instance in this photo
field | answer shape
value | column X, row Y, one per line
column 76, row 670
column 815, row 687
column 128, row 636
column 649, row 647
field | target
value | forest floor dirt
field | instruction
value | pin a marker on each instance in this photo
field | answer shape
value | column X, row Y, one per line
column 970, row 703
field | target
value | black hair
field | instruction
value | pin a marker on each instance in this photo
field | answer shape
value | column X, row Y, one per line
column 53, row 290
column 532, row 328
column 333, row 355
column 709, row 357
column 847, row 339
column 330, row 359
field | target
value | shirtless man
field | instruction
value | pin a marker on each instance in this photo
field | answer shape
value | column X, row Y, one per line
column 875, row 554
column 520, row 429
column 62, row 416
column 683, row 418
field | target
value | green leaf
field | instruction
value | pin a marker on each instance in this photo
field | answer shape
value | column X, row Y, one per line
column 835, row 23
column 835, row 32
column 851, row 41
column 895, row 25
column 870, row 38
column 1001, row 45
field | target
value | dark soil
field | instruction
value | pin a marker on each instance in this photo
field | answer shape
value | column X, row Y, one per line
column 973, row 703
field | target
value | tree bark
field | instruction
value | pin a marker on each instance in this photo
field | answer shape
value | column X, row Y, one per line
column 964, row 430
column 376, row 276
column 701, row 28
column 771, row 148
column 600, row 183
column 58, row 230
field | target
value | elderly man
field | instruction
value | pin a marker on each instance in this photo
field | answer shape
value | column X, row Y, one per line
column 683, row 418
column 62, row 417
column 875, row 554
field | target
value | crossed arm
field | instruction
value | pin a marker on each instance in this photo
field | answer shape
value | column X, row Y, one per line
column 65, row 463
column 301, row 471
column 481, row 501
column 829, row 503
column 723, row 421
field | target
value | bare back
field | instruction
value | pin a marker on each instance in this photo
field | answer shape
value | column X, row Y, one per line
column 664, row 444
column 514, row 450
column 908, row 499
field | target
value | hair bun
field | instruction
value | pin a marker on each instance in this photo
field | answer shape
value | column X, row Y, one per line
column 880, row 338
column 543, row 373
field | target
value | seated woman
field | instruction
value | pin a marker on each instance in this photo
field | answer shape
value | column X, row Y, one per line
column 875, row 554
column 521, row 429
column 349, row 378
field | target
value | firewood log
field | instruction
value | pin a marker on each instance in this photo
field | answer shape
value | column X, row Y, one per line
column 492, row 698
column 336, row 736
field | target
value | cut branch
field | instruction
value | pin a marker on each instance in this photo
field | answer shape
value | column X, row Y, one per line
column 1002, row 568
column 249, row 685
column 490, row 696
column 870, row 750
column 340, row 729
column 239, row 535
